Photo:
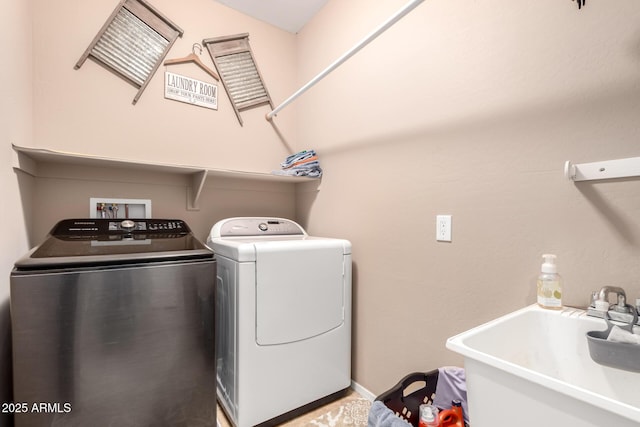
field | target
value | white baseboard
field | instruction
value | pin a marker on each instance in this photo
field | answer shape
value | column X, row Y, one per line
column 362, row 391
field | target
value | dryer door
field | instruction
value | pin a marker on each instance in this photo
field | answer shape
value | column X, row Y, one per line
column 299, row 289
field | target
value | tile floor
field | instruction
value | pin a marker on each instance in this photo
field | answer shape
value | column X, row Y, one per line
column 351, row 410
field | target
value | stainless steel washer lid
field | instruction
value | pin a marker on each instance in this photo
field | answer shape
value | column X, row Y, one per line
column 85, row 242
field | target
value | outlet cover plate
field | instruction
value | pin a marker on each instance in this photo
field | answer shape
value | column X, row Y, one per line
column 443, row 228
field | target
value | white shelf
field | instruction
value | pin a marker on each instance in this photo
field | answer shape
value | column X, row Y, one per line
column 608, row 169
column 27, row 159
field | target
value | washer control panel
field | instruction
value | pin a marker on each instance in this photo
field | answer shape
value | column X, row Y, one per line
column 99, row 226
column 241, row 227
column 148, row 225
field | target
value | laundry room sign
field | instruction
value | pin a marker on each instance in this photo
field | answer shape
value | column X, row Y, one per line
column 191, row 91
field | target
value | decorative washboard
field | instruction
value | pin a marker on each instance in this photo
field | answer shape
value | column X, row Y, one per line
column 133, row 42
column 238, row 71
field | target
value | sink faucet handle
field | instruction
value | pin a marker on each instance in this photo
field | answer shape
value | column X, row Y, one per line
column 594, row 298
column 622, row 299
column 622, row 306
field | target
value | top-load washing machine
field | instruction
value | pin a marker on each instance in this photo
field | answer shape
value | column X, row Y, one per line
column 283, row 318
column 113, row 325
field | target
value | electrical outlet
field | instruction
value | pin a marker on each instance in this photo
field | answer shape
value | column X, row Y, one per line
column 443, row 228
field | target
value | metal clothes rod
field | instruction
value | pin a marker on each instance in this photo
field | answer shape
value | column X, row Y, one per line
column 381, row 29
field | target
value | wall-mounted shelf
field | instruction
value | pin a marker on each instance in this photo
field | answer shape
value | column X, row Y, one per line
column 608, row 169
column 27, row 159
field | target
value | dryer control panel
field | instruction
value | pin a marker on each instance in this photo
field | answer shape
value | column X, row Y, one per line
column 243, row 227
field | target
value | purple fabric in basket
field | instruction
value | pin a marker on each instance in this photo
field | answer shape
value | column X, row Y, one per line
column 452, row 384
column 381, row 416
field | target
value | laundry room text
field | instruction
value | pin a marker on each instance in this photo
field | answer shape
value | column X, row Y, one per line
column 191, row 91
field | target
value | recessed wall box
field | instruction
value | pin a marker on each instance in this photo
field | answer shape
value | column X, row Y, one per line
column 103, row 207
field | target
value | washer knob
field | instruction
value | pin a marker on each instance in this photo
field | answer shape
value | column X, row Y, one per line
column 263, row 227
column 127, row 225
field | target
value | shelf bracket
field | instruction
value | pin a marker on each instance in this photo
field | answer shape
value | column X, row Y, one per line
column 195, row 190
column 608, row 169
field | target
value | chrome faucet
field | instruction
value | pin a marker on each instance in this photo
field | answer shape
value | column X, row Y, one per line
column 621, row 306
column 619, row 311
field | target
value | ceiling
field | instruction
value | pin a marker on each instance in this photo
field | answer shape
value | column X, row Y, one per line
column 289, row 15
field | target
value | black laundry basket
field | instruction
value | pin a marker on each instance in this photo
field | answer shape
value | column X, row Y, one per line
column 407, row 406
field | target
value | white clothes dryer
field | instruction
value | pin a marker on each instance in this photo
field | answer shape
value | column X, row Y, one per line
column 283, row 318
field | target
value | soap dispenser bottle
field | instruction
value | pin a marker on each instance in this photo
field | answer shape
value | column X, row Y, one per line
column 549, row 284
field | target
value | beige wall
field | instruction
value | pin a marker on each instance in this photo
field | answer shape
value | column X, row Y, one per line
column 469, row 109
column 64, row 192
column 16, row 110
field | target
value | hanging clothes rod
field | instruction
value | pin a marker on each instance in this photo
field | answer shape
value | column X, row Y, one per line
column 375, row 33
